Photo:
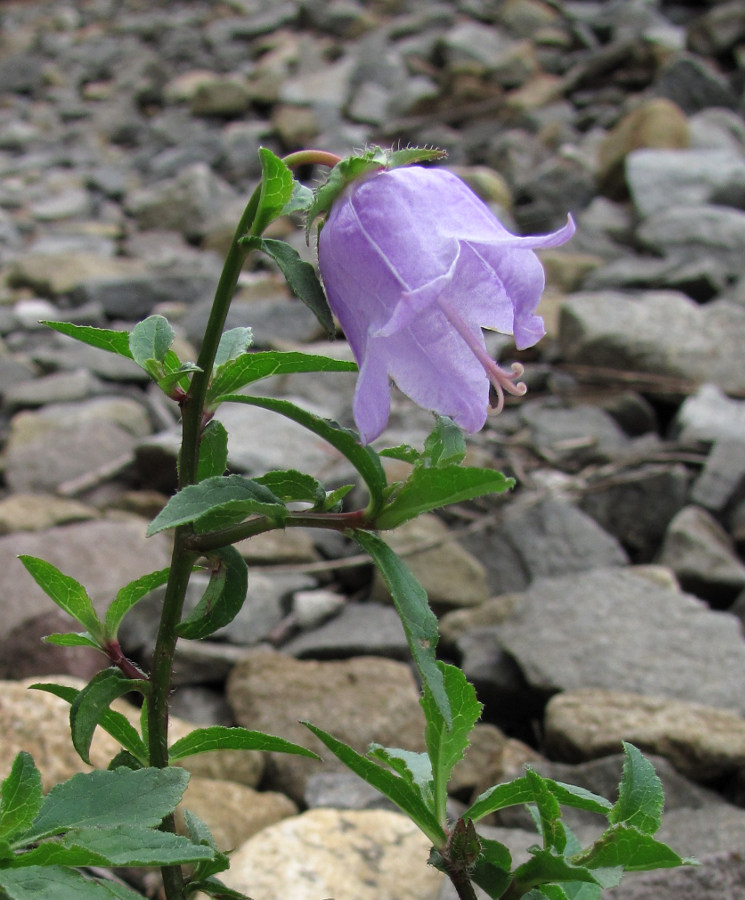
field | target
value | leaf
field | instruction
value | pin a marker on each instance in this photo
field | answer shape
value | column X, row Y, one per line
column 276, row 190
column 151, row 340
column 220, row 737
column 213, row 451
column 93, row 701
column 549, row 811
column 105, row 799
column 223, row 597
column 418, row 620
column 128, row 596
column 66, row 592
column 291, row 486
column 233, row 343
column 408, row 155
column 103, row 338
column 114, row 723
column 430, row 488
column 578, row 798
column 251, row 367
column 214, row 888
column 445, row 445
column 233, row 496
column 414, row 768
column 491, row 871
column 364, row 459
column 300, row 201
column 500, row 796
column 389, row 784
column 640, row 794
column 176, row 376
column 300, row 276
column 72, row 639
column 627, row 847
column 199, row 833
column 58, row 883
column 404, row 452
column 544, row 867
column 21, row 797
column 446, row 742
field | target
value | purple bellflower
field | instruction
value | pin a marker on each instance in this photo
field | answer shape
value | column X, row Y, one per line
column 415, row 265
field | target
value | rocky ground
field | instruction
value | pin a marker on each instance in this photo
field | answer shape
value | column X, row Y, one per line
column 603, row 601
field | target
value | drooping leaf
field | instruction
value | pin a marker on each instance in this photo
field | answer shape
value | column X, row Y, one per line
column 640, row 795
column 213, row 451
column 93, row 701
column 391, row 785
column 59, row 883
column 128, row 596
column 430, row 488
column 224, row 499
column 251, row 367
column 223, row 597
column 102, row 338
column 417, row 618
column 220, row 737
column 114, row 723
column 300, row 276
column 20, row 797
column 66, row 592
column 578, row 798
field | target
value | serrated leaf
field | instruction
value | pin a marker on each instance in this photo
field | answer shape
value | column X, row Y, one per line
column 233, row 343
column 65, row 591
column 128, row 596
column 445, row 445
column 364, row 459
column 544, row 867
column 294, row 487
column 104, row 799
column 578, row 798
column 414, row 768
column 151, row 339
column 417, row 618
column 58, row 883
column 114, row 723
column 300, row 201
column 232, row 496
column 102, row 338
column 389, row 784
column 72, row 639
column 640, row 795
column 223, row 597
column 430, row 488
column 300, row 276
column 409, row 155
column 251, row 367
column 93, row 701
column 213, row 451
column 404, row 452
column 220, row 737
column 447, row 742
column 629, row 848
column 20, row 797
column 276, row 190
column 500, row 796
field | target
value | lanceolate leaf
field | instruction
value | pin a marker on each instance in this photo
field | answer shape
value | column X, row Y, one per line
column 223, row 596
column 128, row 596
column 220, row 737
column 72, row 639
column 66, row 592
column 103, row 338
column 21, row 797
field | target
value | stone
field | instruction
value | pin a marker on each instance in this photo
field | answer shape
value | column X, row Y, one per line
column 702, row 742
column 347, row 854
column 357, row 700
column 225, row 97
column 60, row 387
column 709, row 416
column 694, row 84
column 359, row 629
column 53, row 275
column 702, row 556
column 718, row 30
column 37, row 512
column 720, row 874
column 721, row 483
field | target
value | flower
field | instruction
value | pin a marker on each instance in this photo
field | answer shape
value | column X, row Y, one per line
column 414, row 265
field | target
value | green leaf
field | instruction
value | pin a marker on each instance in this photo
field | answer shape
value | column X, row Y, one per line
column 447, row 742
column 151, row 340
column 294, row 487
column 500, row 796
column 234, row 343
column 578, row 798
column 445, row 445
column 404, row 452
column 627, row 847
column 58, row 883
column 93, row 701
column 66, row 592
column 430, row 488
column 223, row 597
column 418, row 620
column 128, row 596
column 213, row 451
column 72, row 639
column 345, row 171
column 252, row 367
column 20, row 797
column 200, row 834
column 391, row 785
column 300, row 201
column 491, row 871
column 176, row 375
column 544, row 867
column 364, row 459
column 408, row 155
column 276, row 190
column 300, row 276
column 224, row 499
column 640, row 794
column 333, row 498
column 114, row 723
column 103, row 338
column 214, row 888
column 105, row 799
column 414, row 768
column 220, row 737
column 549, row 811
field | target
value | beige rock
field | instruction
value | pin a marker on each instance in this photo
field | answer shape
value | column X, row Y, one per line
column 53, row 274
column 36, row 512
column 451, row 575
column 702, row 742
column 357, row 700
column 460, row 621
column 347, row 855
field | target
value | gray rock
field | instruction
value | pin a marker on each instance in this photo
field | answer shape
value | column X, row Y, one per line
column 61, row 387
column 720, row 874
column 701, row 554
column 136, row 296
column 343, row 790
column 360, row 629
column 709, row 416
column 694, row 84
column 721, row 483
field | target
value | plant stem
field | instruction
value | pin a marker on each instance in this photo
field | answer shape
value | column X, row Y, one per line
column 461, row 882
